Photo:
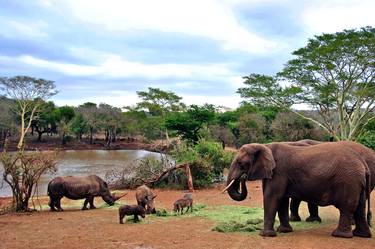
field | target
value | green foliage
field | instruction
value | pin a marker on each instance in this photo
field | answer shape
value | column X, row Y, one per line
column 251, row 128
column 331, row 74
column 289, row 127
column 367, row 139
column 207, row 161
column 79, row 125
column 187, row 124
column 158, row 102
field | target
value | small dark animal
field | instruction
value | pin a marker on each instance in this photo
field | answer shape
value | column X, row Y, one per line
column 145, row 198
column 131, row 210
column 180, row 204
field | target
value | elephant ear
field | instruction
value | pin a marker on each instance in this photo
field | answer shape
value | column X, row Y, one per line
column 261, row 160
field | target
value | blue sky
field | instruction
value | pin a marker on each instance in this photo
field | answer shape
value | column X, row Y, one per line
column 105, row 51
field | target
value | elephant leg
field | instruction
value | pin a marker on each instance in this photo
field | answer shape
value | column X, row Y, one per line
column 85, row 203
column 361, row 226
column 270, row 208
column 314, row 213
column 294, row 206
column 91, row 201
column 344, row 229
column 284, row 227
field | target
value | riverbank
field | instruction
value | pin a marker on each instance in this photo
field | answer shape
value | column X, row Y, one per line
column 53, row 143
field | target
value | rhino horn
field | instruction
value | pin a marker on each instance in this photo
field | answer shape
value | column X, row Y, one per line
column 115, row 198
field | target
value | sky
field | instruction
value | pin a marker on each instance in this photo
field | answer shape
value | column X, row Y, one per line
column 106, row 51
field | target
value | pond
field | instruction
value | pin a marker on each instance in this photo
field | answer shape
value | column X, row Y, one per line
column 85, row 162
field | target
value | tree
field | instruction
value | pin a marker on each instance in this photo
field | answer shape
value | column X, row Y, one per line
column 90, row 113
column 289, row 127
column 334, row 74
column 79, row 126
column 23, row 171
column 159, row 103
column 45, row 121
column 110, row 120
column 29, row 93
column 7, row 119
column 187, row 124
column 64, row 116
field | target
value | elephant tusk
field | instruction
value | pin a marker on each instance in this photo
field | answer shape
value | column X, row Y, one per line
column 226, row 188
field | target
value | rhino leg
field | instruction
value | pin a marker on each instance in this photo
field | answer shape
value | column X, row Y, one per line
column 52, row 204
column 91, row 201
column 58, row 204
column 85, row 204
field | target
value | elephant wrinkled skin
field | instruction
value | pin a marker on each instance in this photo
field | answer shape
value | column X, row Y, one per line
column 324, row 174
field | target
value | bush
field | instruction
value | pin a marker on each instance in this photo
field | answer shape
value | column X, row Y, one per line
column 207, row 161
column 22, row 172
column 367, row 139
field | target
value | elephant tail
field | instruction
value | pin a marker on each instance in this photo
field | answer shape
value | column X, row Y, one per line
column 368, row 192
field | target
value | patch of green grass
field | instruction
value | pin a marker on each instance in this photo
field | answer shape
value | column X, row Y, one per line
column 230, row 213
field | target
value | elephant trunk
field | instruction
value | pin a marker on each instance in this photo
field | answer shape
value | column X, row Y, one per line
column 234, row 189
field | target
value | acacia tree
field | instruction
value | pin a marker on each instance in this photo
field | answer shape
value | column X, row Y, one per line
column 188, row 124
column 22, row 171
column 334, row 74
column 29, row 93
column 159, row 103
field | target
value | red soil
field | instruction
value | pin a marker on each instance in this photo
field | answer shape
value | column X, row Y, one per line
column 99, row 228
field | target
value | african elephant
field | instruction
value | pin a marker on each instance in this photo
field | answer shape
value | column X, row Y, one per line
column 324, row 174
column 145, row 198
column 79, row 187
column 368, row 156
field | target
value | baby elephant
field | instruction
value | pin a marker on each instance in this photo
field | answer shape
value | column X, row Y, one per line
column 180, row 204
column 131, row 210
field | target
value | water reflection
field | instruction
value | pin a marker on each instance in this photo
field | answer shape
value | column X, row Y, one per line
column 86, row 162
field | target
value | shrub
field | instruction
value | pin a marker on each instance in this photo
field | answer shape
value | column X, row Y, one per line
column 22, row 172
column 207, row 161
column 367, row 139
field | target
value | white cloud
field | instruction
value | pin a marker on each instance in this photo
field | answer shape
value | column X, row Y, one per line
column 203, row 18
column 34, row 29
column 115, row 98
column 113, row 66
column 336, row 15
column 230, row 100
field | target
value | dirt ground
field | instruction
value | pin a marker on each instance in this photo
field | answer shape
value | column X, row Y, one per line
column 99, row 228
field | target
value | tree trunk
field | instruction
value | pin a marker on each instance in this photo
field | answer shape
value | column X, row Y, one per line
column 189, row 178
column 40, row 133
column 91, row 131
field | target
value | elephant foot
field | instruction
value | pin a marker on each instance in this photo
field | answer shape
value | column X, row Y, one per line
column 342, row 234
column 364, row 233
column 84, row 208
column 92, row 207
column 285, row 229
column 313, row 218
column 60, row 210
column 294, row 217
column 267, row 233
